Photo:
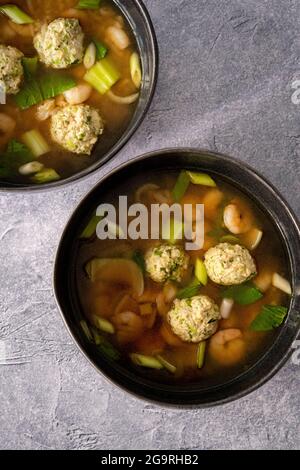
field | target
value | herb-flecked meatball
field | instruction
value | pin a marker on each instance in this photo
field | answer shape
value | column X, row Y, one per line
column 11, row 69
column 166, row 262
column 194, row 319
column 60, row 44
column 228, row 264
column 77, row 128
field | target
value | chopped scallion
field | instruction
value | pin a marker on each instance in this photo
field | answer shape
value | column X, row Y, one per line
column 167, row 365
column 104, row 325
column 200, row 271
column 47, row 175
column 90, row 229
column 146, row 361
column 201, row 354
column 15, row 14
column 101, row 49
column 102, row 76
column 181, row 186
column 36, row 143
column 88, row 4
column 201, row 178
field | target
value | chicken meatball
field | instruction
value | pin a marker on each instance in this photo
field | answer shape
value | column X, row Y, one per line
column 11, row 69
column 60, row 44
column 194, row 319
column 166, row 262
column 77, row 128
column 228, row 264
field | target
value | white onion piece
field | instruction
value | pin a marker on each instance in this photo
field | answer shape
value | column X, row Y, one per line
column 226, row 307
column 281, row 283
column 30, row 168
column 122, row 99
column 118, row 37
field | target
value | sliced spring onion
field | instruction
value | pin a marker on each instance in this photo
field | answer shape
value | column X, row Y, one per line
column 200, row 271
column 181, row 186
column 243, row 294
column 281, row 283
column 45, row 176
column 35, row 91
column 101, row 49
column 36, row 143
column 135, row 69
column 104, row 325
column 90, row 229
column 190, row 291
column 201, row 179
column 88, row 4
column 226, row 307
column 105, row 347
column 90, row 56
column 15, row 14
column 146, row 361
column 30, row 65
column 167, row 365
column 173, row 231
column 201, row 354
column 138, row 258
column 30, row 168
column 86, row 330
column 230, row 239
column 270, row 317
column 102, row 76
column 122, row 99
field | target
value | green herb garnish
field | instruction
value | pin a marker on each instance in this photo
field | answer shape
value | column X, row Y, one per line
column 138, row 258
column 190, row 291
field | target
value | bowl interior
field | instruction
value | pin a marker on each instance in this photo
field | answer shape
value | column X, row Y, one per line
column 266, row 197
column 141, row 25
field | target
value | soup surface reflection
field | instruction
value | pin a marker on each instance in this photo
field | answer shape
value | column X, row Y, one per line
column 180, row 316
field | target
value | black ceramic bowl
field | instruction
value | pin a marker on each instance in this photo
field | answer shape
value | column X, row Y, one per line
column 138, row 17
column 265, row 196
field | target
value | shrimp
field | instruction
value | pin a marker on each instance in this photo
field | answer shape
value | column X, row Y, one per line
column 118, row 37
column 212, row 201
column 227, row 347
column 237, row 219
column 45, row 110
column 129, row 327
column 7, row 126
column 78, row 94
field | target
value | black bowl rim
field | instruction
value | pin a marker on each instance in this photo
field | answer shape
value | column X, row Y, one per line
column 177, row 151
column 125, row 138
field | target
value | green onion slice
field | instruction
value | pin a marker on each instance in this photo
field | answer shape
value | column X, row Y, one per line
column 201, row 354
column 88, row 4
column 15, row 14
column 181, row 186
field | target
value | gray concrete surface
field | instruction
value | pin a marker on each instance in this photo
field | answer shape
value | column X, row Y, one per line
column 226, row 69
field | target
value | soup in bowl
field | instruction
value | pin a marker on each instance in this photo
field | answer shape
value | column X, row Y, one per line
column 176, row 277
column 76, row 79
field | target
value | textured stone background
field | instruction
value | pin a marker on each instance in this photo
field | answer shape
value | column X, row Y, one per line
column 225, row 83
